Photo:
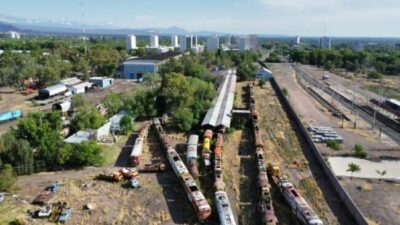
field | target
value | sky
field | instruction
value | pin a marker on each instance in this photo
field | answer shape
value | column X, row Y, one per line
column 375, row 18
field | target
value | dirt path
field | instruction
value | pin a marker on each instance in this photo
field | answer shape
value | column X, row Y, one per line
column 284, row 146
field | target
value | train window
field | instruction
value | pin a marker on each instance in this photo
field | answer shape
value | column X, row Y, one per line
column 176, row 158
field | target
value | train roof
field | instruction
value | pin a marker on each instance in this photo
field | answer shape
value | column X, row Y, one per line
column 394, row 101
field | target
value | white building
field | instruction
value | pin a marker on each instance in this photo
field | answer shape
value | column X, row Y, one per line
column 253, row 42
column 228, row 40
column 186, row 42
column 325, row 42
column 14, row 35
column 297, row 40
column 213, row 43
column 244, row 43
column 130, row 42
column 154, row 41
column 174, row 41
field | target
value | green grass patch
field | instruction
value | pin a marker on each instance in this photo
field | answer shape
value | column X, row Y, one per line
column 388, row 92
column 110, row 154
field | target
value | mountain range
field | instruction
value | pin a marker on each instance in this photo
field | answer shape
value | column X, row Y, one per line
column 66, row 27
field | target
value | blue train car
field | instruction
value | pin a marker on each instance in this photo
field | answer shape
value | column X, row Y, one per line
column 11, row 115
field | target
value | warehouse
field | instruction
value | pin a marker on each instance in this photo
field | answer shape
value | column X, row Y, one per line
column 101, row 82
column 80, row 88
column 136, row 68
column 52, row 91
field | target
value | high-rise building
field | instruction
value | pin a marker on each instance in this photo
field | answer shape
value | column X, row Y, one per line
column 213, row 43
column 244, row 43
column 154, row 41
column 297, row 40
column 186, row 42
column 130, row 42
column 174, row 41
column 14, row 35
column 228, row 40
column 194, row 41
column 325, row 42
column 253, row 42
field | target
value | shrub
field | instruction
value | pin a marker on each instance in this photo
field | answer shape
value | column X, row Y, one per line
column 285, row 91
column 374, row 75
column 359, row 151
column 261, row 82
column 334, row 145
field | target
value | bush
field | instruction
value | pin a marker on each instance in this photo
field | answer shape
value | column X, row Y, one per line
column 261, row 82
column 374, row 75
column 334, row 145
column 7, row 177
column 359, row 151
column 285, row 91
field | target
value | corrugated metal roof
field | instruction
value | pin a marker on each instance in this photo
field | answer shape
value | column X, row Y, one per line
column 52, row 90
column 82, row 85
column 220, row 113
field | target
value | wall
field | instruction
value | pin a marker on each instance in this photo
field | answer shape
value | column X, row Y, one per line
column 344, row 196
column 131, row 70
column 103, row 131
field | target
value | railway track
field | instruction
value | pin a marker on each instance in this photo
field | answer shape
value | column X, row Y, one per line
column 366, row 115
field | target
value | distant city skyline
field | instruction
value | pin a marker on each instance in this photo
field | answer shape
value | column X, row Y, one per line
column 367, row 18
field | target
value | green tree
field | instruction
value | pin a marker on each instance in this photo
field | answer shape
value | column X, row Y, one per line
column 246, row 71
column 153, row 81
column 126, row 124
column 171, row 66
column 87, row 117
column 16, row 152
column 113, row 103
column 183, row 119
column 7, row 177
column 176, row 91
column 142, row 104
column 87, row 153
column 77, row 101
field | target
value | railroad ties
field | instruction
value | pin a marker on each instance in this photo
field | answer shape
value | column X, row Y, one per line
column 264, row 187
column 195, row 196
column 304, row 213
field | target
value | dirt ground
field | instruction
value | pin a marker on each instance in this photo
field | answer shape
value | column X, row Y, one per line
column 290, row 151
column 16, row 100
column 311, row 112
column 161, row 199
column 369, row 193
column 346, row 81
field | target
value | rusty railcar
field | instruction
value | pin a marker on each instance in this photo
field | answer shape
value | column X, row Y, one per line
column 195, row 196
